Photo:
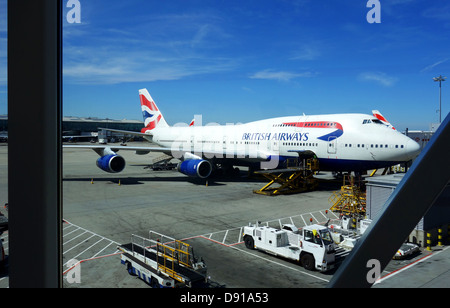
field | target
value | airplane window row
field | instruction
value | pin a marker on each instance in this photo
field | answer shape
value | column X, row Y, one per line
column 283, row 125
column 320, row 124
column 301, row 144
column 349, row 145
column 252, row 142
column 208, row 141
column 316, row 124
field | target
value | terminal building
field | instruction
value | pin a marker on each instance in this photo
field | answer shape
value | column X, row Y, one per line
column 91, row 128
column 436, row 221
column 86, row 127
column 91, row 124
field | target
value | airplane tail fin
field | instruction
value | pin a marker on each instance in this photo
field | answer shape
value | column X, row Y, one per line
column 380, row 117
column 153, row 118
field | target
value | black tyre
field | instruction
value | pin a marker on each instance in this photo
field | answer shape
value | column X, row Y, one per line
column 130, row 269
column 249, row 242
column 154, row 283
column 308, row 261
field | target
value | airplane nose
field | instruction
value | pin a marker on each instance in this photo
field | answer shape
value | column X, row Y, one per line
column 413, row 148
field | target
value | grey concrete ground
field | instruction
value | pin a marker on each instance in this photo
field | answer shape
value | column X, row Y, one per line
column 103, row 210
column 173, row 204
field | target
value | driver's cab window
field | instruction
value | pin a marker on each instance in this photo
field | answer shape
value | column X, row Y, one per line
column 310, row 237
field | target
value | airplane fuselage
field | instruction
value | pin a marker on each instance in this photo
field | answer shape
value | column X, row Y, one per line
column 341, row 142
column 345, row 142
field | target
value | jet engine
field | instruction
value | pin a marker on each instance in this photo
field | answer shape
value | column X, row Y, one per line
column 195, row 168
column 111, row 163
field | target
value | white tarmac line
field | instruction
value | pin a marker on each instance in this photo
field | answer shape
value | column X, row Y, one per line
column 409, row 266
column 280, row 264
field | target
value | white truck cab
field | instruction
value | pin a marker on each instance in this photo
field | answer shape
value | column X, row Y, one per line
column 312, row 246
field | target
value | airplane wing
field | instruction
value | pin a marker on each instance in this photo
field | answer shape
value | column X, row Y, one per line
column 78, row 136
column 70, row 138
column 194, row 163
column 176, row 153
column 99, row 149
column 127, row 132
column 117, row 147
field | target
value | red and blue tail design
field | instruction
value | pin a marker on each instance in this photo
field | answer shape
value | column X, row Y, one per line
column 153, row 118
column 380, row 117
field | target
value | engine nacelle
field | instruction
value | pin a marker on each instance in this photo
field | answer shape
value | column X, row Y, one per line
column 111, row 163
column 196, row 168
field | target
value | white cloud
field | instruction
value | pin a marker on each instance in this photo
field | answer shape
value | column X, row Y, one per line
column 431, row 66
column 379, row 77
column 280, row 75
column 111, row 56
column 307, row 53
column 437, row 12
column 121, row 67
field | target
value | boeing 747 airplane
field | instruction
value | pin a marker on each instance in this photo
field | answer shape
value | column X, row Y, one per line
column 341, row 142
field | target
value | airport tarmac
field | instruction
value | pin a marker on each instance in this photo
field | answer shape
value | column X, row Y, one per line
column 102, row 210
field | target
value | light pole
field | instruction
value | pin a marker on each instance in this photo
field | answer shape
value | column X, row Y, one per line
column 440, row 79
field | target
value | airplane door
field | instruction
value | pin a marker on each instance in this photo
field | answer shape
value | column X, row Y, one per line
column 224, row 142
column 272, row 146
column 332, row 145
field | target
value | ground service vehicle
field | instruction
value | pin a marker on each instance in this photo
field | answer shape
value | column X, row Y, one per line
column 3, row 223
column 163, row 262
column 312, row 246
column 2, row 256
column 3, row 227
column 406, row 250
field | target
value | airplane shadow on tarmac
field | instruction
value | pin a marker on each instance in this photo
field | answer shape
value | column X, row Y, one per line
column 217, row 180
column 141, row 180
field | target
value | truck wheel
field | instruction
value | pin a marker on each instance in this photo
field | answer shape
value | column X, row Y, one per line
column 249, row 242
column 154, row 283
column 308, row 261
column 130, row 269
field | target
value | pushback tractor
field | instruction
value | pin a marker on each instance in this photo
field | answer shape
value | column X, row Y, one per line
column 312, row 246
column 163, row 262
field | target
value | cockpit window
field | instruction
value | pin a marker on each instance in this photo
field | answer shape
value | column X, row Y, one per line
column 367, row 121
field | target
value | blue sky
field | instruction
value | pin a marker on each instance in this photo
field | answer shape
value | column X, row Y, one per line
column 239, row 61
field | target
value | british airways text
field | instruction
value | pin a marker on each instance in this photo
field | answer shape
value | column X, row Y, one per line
column 276, row 136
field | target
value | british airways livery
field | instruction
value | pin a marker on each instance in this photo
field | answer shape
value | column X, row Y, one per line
column 341, row 142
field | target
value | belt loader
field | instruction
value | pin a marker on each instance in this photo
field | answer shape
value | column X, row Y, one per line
column 163, row 262
column 312, row 246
